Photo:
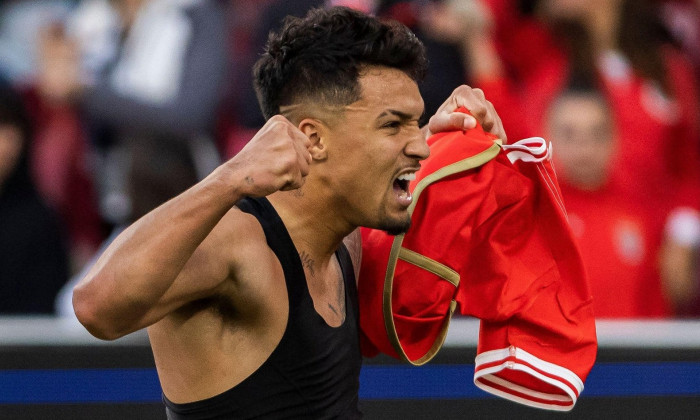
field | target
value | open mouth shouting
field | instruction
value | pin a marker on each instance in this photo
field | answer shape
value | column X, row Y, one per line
column 401, row 183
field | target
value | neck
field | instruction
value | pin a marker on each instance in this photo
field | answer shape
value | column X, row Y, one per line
column 313, row 226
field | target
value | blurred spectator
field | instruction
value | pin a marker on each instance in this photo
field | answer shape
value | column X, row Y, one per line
column 33, row 260
column 270, row 19
column 430, row 21
column 148, row 76
column 679, row 261
column 20, row 24
column 648, row 82
column 654, row 95
column 249, row 39
column 622, row 47
column 58, row 158
column 618, row 236
column 62, row 162
column 682, row 17
column 151, row 98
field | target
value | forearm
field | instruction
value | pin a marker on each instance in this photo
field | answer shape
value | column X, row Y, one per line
column 174, row 254
column 124, row 289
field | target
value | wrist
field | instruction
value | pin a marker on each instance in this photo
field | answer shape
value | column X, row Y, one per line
column 225, row 185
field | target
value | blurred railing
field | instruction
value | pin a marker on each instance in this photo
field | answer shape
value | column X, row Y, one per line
column 52, row 368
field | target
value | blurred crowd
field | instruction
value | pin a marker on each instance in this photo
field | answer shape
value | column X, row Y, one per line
column 110, row 107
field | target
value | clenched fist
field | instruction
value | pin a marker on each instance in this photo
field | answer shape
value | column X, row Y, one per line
column 276, row 158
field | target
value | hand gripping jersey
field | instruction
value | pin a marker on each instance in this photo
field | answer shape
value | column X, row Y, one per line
column 489, row 235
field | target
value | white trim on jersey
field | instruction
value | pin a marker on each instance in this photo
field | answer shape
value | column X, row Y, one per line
column 489, row 364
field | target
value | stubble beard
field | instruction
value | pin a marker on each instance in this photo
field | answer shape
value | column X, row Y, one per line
column 395, row 227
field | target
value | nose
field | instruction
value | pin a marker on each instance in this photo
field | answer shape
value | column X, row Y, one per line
column 417, row 146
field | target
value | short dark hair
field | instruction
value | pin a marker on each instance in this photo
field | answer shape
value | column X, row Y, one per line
column 320, row 57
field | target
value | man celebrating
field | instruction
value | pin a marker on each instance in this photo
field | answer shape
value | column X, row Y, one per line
column 243, row 281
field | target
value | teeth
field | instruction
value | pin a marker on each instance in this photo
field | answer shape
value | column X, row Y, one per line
column 407, row 177
column 406, row 195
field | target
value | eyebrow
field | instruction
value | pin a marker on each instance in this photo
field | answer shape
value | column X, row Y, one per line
column 401, row 115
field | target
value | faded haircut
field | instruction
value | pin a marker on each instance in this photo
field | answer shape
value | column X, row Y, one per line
column 319, row 57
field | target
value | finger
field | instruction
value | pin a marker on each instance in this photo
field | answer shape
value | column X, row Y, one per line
column 483, row 110
column 479, row 94
column 303, row 162
column 450, row 121
column 302, row 143
column 295, row 182
column 498, row 129
column 303, row 156
column 490, row 121
column 465, row 96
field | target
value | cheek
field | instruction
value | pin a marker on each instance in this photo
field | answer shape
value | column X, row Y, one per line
column 563, row 154
column 604, row 156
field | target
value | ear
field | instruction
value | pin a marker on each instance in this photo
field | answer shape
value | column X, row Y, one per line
column 316, row 131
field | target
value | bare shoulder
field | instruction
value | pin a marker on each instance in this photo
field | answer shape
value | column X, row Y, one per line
column 241, row 241
column 238, row 234
column 221, row 262
column 237, row 255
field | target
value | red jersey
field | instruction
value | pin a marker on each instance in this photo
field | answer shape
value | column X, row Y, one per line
column 619, row 241
column 490, row 237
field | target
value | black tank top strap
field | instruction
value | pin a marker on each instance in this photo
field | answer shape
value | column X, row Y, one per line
column 279, row 241
column 348, row 271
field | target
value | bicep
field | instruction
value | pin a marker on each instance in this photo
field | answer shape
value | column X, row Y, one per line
column 212, row 268
column 205, row 273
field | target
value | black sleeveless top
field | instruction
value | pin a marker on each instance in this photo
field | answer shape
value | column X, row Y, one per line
column 314, row 371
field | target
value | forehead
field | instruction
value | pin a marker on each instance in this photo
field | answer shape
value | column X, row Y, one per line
column 384, row 88
column 580, row 109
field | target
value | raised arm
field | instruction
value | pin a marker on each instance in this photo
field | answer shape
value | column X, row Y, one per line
column 175, row 254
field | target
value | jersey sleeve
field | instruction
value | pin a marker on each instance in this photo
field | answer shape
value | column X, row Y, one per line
column 526, row 282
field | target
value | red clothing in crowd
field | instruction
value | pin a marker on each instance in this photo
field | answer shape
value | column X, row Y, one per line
column 619, row 240
column 59, row 160
column 535, row 71
column 659, row 138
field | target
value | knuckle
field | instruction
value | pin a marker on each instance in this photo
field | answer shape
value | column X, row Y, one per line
column 276, row 127
column 461, row 91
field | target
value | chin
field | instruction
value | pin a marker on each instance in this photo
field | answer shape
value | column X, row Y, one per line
column 396, row 227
